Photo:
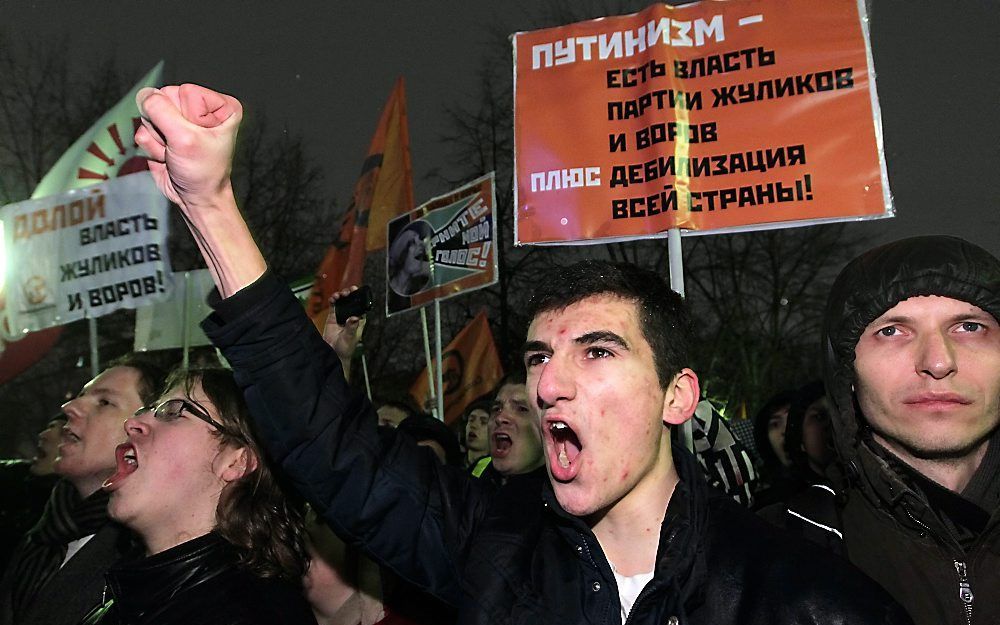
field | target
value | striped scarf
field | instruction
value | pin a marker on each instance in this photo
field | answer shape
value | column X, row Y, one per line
column 67, row 517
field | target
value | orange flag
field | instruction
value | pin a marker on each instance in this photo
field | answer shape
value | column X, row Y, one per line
column 392, row 194
column 471, row 368
column 383, row 190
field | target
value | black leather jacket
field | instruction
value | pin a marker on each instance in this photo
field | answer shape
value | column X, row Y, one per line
column 508, row 554
column 197, row 582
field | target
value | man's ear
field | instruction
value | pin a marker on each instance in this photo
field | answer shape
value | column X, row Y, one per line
column 682, row 396
column 235, row 462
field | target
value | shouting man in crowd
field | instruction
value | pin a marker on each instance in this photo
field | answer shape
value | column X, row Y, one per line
column 626, row 527
column 56, row 575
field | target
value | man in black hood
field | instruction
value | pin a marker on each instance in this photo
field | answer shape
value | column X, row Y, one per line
column 912, row 365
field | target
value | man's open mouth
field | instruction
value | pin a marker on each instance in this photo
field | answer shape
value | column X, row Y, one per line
column 502, row 442
column 565, row 446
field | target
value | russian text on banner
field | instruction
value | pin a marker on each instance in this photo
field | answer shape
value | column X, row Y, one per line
column 86, row 252
column 106, row 150
column 709, row 116
column 471, row 369
column 442, row 248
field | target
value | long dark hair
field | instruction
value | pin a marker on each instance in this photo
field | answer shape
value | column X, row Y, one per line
column 258, row 514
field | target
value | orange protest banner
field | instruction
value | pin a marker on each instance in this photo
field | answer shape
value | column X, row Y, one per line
column 708, row 116
column 471, row 368
column 383, row 190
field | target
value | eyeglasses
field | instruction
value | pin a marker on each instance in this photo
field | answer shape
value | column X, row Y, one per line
column 173, row 409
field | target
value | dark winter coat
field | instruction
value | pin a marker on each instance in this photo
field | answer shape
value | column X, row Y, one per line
column 509, row 554
column 76, row 587
column 879, row 516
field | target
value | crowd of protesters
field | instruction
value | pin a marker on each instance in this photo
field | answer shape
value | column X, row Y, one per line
column 592, row 485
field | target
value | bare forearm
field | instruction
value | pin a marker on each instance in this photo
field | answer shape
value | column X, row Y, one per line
column 188, row 133
column 225, row 242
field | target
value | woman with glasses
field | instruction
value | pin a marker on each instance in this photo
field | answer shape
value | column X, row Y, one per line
column 223, row 544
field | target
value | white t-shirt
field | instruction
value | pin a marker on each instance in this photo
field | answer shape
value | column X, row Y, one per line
column 629, row 588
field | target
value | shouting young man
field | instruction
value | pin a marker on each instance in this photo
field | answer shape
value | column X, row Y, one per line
column 625, row 529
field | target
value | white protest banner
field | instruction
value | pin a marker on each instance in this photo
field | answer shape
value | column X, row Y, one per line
column 86, row 253
column 106, row 150
column 176, row 321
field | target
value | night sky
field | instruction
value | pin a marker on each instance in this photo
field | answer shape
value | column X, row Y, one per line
column 323, row 70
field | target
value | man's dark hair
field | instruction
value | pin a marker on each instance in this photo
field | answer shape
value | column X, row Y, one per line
column 484, row 402
column 151, row 375
column 662, row 315
column 517, row 376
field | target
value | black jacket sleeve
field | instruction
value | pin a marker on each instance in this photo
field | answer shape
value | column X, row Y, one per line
column 376, row 489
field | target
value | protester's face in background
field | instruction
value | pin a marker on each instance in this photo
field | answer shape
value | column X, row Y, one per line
column 477, row 438
column 408, row 264
column 776, row 434
column 47, row 448
column 592, row 378
column 94, row 427
column 817, row 435
column 928, row 377
column 514, row 440
column 390, row 416
column 171, row 473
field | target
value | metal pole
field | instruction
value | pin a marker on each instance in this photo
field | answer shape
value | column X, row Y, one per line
column 440, row 369
column 676, row 260
column 675, row 257
column 364, row 370
column 95, row 361
column 430, row 362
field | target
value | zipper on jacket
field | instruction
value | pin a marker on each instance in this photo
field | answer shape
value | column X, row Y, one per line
column 964, row 589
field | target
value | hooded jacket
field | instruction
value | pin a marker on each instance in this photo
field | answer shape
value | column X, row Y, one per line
column 508, row 554
column 880, row 515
